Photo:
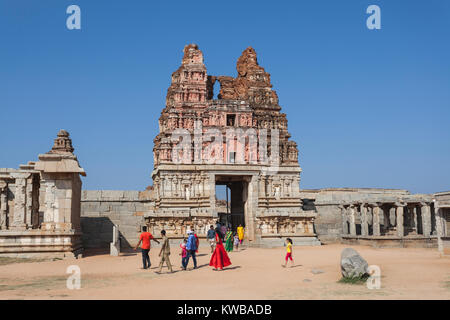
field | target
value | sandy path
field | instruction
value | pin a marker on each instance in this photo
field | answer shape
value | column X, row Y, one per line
column 255, row 274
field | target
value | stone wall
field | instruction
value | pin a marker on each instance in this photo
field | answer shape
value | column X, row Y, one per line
column 101, row 209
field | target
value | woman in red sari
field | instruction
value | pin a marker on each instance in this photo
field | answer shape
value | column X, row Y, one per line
column 219, row 258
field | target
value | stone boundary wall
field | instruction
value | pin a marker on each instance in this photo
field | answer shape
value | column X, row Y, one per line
column 101, row 209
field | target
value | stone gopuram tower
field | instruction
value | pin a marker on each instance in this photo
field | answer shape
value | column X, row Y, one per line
column 239, row 140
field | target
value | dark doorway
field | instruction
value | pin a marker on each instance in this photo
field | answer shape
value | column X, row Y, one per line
column 231, row 206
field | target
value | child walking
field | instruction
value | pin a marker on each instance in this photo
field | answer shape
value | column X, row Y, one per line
column 288, row 253
column 236, row 241
column 183, row 254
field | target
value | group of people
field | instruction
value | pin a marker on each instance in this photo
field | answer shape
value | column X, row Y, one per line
column 231, row 239
column 189, row 247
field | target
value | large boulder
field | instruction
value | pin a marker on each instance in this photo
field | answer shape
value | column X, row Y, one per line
column 352, row 264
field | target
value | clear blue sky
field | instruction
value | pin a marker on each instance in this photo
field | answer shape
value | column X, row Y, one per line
column 368, row 108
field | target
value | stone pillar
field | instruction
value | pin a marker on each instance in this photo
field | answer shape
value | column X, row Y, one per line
column 414, row 218
column 352, row 220
column 399, row 220
column 344, row 220
column 364, row 222
column 376, row 219
column 114, row 248
column 29, row 203
column 426, row 219
column 20, row 197
column 438, row 212
column 3, row 205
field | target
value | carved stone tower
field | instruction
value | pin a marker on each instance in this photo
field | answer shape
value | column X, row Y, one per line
column 239, row 140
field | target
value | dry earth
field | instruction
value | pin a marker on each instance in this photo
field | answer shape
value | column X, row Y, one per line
column 255, row 274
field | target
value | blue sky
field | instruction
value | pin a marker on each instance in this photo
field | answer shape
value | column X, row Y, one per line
column 368, row 108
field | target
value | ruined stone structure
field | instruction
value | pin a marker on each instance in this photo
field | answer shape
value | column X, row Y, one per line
column 442, row 208
column 40, row 204
column 240, row 140
column 380, row 217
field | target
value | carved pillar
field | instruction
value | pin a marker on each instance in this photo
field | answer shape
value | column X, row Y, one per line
column 51, row 205
column 262, row 186
column 426, row 219
column 20, row 197
column 376, row 220
column 3, row 205
column 29, row 202
column 364, row 220
column 269, row 186
column 399, row 214
column 352, row 220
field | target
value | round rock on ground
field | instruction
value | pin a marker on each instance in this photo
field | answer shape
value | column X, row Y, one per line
column 352, row 264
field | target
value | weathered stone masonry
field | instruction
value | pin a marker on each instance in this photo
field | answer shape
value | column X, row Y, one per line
column 43, row 210
column 40, row 204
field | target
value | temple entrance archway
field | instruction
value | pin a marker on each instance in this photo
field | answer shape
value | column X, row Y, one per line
column 232, row 211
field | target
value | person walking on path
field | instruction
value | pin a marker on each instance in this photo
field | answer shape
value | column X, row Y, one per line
column 211, row 238
column 236, row 241
column 145, row 238
column 229, row 240
column 183, row 253
column 219, row 258
column 191, row 247
column 164, row 253
column 240, row 231
column 288, row 253
column 219, row 229
column 197, row 242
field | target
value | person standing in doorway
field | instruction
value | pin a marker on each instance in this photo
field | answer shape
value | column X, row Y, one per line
column 145, row 238
column 210, row 237
column 164, row 253
column 191, row 247
column 240, row 231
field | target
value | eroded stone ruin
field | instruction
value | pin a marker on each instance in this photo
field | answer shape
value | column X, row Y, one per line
column 240, row 140
column 267, row 204
column 40, row 205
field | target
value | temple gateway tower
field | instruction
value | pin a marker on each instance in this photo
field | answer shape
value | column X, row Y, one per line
column 239, row 140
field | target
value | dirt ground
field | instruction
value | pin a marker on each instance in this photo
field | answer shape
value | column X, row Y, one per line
column 255, row 274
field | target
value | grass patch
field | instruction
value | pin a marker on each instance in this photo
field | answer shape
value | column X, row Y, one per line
column 355, row 280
